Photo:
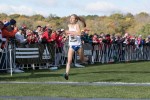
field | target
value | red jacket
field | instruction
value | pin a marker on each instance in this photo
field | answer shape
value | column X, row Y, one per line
column 46, row 36
column 32, row 38
column 95, row 40
column 59, row 42
column 54, row 36
column 7, row 34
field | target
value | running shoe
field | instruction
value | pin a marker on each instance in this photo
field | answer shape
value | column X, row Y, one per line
column 66, row 76
column 79, row 66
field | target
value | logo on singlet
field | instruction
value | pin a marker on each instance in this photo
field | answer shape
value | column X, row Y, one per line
column 73, row 39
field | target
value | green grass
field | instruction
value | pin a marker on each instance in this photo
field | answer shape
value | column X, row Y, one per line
column 74, row 91
column 123, row 72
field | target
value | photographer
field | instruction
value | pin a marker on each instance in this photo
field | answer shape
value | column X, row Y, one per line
column 9, row 30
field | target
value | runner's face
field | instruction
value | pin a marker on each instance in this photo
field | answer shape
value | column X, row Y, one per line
column 72, row 19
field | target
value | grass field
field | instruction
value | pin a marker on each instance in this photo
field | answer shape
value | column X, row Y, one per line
column 123, row 72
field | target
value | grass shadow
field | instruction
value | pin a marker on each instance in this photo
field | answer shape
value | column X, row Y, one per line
column 25, row 76
column 122, row 72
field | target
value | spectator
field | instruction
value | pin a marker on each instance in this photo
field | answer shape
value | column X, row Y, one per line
column 54, row 35
column 2, row 40
column 59, row 45
column 39, row 30
column 148, row 41
column 31, row 37
column 95, row 48
column 9, row 29
column 46, row 36
column 107, row 39
column 85, row 36
column 20, row 36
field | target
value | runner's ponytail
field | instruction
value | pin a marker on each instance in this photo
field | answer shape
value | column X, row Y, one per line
column 79, row 19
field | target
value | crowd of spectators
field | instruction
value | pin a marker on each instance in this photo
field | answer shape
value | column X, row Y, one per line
column 23, row 35
column 126, row 39
column 45, row 34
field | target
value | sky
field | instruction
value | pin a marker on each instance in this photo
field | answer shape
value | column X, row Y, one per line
column 63, row 8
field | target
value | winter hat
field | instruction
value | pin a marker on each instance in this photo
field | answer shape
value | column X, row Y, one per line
column 12, row 22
